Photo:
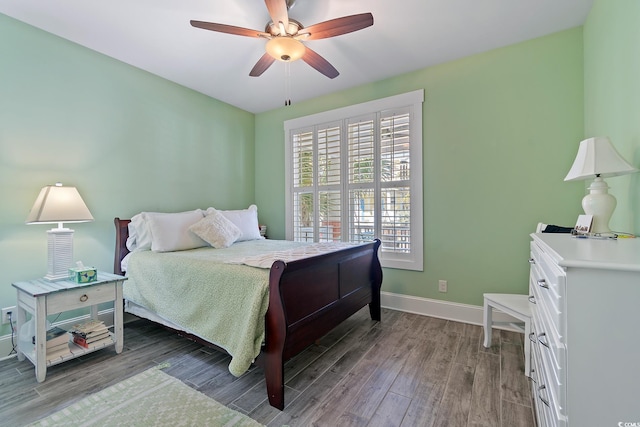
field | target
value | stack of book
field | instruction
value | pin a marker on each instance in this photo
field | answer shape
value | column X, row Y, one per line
column 90, row 334
column 57, row 342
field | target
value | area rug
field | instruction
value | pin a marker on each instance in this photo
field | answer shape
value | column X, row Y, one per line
column 151, row 398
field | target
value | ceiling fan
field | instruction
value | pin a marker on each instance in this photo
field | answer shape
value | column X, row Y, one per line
column 285, row 36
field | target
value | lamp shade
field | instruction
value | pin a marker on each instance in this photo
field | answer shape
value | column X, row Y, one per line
column 597, row 157
column 57, row 204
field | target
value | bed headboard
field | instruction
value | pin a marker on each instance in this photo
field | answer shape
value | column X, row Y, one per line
column 122, row 233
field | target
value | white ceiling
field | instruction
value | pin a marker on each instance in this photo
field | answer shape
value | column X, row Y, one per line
column 155, row 35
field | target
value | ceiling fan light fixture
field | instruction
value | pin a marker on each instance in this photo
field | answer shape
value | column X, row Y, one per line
column 285, row 49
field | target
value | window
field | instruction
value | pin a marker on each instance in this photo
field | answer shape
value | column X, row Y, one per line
column 355, row 174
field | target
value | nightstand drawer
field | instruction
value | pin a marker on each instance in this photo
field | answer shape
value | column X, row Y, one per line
column 81, row 297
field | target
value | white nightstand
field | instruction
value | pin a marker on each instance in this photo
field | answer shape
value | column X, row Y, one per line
column 41, row 297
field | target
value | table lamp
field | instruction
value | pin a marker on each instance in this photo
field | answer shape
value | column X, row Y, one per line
column 59, row 204
column 597, row 158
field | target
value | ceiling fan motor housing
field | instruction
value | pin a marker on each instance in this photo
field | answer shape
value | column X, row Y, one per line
column 275, row 29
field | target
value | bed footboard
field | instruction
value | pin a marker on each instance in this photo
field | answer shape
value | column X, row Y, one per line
column 310, row 297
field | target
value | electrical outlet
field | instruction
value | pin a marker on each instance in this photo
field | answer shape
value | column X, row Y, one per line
column 442, row 285
column 5, row 314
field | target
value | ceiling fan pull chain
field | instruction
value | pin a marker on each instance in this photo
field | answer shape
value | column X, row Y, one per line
column 287, row 84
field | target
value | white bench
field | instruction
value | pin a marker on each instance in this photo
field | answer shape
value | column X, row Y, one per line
column 514, row 305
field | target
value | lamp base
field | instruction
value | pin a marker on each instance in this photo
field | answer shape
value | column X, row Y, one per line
column 600, row 204
column 60, row 253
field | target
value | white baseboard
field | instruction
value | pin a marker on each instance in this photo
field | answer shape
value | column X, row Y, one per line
column 458, row 312
column 5, row 341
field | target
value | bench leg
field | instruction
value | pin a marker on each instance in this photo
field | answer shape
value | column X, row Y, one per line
column 488, row 320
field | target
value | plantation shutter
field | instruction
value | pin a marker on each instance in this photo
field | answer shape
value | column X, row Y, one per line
column 358, row 177
column 303, row 185
column 329, row 184
column 362, row 158
column 317, row 195
column 395, row 190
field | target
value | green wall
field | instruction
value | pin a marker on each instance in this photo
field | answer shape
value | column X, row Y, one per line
column 612, row 95
column 129, row 141
column 501, row 131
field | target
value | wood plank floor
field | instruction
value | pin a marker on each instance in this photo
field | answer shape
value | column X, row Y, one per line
column 407, row 370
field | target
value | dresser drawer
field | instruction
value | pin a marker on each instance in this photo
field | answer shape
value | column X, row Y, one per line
column 539, row 406
column 82, row 297
column 548, row 285
column 548, row 410
column 552, row 364
column 547, row 301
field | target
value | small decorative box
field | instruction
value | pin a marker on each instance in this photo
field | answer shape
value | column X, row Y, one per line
column 83, row 274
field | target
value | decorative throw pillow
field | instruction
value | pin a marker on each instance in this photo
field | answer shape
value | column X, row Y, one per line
column 216, row 230
column 170, row 231
column 246, row 220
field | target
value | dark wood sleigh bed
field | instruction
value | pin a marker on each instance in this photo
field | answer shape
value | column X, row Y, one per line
column 341, row 283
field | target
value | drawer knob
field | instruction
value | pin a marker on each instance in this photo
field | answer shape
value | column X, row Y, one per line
column 541, row 341
column 543, row 283
column 542, row 399
column 532, row 299
column 84, row 298
column 532, row 261
column 532, row 337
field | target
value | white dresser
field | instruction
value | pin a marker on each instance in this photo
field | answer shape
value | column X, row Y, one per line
column 585, row 339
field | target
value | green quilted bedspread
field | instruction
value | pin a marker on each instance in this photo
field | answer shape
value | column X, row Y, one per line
column 220, row 302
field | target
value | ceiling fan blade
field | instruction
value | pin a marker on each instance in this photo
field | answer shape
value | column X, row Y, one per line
column 278, row 12
column 261, row 66
column 338, row 26
column 319, row 63
column 229, row 29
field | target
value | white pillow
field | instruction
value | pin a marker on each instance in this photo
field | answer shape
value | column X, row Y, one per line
column 246, row 220
column 132, row 243
column 170, row 231
column 139, row 234
column 216, row 230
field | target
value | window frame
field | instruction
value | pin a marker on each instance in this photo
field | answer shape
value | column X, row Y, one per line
column 410, row 100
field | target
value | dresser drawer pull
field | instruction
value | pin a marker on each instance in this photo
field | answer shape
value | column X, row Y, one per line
column 532, row 261
column 543, row 283
column 84, row 298
column 544, row 343
column 532, row 299
column 532, row 337
column 532, row 378
column 542, row 399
